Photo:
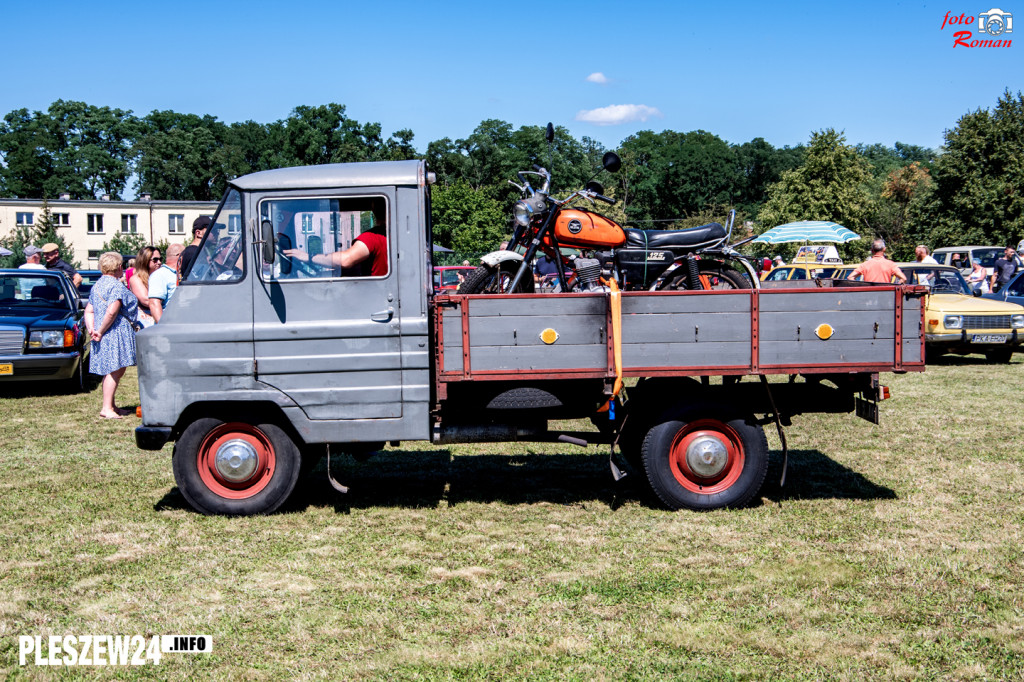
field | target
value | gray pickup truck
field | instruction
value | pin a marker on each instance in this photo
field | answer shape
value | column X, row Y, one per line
column 272, row 353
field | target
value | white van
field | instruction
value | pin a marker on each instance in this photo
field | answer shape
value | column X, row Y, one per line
column 963, row 257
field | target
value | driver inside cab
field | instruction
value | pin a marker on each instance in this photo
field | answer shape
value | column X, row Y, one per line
column 368, row 254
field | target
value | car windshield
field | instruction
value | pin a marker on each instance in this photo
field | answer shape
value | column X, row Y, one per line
column 987, row 257
column 221, row 256
column 940, row 280
column 22, row 291
column 450, row 277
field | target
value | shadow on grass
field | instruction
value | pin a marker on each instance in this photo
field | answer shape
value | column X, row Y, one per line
column 962, row 360
column 423, row 479
column 409, row 478
column 811, row 475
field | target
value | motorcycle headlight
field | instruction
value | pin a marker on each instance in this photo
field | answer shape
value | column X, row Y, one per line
column 47, row 339
column 522, row 212
column 953, row 322
column 1017, row 321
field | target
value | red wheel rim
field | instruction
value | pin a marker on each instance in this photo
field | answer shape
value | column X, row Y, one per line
column 723, row 441
column 266, row 460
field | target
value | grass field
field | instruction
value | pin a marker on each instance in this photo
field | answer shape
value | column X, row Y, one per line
column 893, row 551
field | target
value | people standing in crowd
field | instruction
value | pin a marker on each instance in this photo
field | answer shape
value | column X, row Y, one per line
column 878, row 268
column 778, row 262
column 51, row 252
column 1003, row 270
column 146, row 263
column 546, row 266
column 163, row 281
column 109, row 319
column 978, row 279
column 129, row 272
column 32, row 258
column 922, row 256
column 199, row 228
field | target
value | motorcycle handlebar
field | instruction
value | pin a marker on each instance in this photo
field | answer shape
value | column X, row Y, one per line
column 605, row 199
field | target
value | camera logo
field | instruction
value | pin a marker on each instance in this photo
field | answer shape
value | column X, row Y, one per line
column 995, row 22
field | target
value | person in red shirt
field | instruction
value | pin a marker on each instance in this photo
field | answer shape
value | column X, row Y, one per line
column 878, row 268
column 370, row 249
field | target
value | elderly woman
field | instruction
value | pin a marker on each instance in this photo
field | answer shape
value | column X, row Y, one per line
column 978, row 279
column 109, row 319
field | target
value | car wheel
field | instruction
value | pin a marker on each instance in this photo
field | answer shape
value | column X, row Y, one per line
column 1000, row 356
column 235, row 468
column 705, row 460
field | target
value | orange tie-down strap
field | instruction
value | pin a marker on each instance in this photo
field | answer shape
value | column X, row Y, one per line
column 616, row 303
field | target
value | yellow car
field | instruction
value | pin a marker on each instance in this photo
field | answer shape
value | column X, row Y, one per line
column 956, row 321
column 797, row 271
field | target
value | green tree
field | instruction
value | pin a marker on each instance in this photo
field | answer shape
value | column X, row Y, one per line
column 759, row 165
column 125, row 243
column 43, row 232
column 979, row 180
column 830, row 185
column 466, row 220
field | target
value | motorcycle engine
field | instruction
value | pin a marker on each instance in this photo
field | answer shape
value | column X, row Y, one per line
column 588, row 274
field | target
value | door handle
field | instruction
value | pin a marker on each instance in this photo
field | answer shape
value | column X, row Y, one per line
column 383, row 315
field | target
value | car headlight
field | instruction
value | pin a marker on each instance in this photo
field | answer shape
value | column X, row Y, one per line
column 48, row 339
column 953, row 322
column 522, row 212
column 1017, row 321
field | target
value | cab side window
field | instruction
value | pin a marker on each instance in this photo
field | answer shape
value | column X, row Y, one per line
column 317, row 238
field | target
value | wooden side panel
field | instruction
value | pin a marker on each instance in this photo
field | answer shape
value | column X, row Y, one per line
column 912, row 331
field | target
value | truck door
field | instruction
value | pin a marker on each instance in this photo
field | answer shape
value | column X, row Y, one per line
column 325, row 334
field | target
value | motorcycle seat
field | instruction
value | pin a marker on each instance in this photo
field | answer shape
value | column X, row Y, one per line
column 667, row 239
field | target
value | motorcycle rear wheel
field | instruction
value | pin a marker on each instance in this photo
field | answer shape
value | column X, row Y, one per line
column 713, row 278
column 486, row 280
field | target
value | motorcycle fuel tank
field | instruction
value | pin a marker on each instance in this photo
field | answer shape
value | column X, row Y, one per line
column 574, row 227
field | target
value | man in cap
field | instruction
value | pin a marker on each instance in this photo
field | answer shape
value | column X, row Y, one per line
column 199, row 228
column 54, row 262
column 32, row 258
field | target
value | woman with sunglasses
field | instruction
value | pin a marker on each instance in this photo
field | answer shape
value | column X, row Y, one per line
column 146, row 263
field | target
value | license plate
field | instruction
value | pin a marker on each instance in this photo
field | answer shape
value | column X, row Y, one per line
column 6, row 368
column 989, row 338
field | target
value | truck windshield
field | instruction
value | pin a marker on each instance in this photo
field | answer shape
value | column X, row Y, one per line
column 221, row 256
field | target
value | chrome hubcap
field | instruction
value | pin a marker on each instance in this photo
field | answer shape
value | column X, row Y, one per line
column 707, row 456
column 236, row 460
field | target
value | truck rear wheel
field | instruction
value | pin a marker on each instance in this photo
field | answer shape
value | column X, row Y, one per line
column 702, row 461
column 235, row 468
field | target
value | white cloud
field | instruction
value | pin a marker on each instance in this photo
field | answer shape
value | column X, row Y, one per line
column 618, row 113
column 597, row 77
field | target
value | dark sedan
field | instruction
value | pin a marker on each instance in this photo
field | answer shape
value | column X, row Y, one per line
column 1012, row 292
column 42, row 333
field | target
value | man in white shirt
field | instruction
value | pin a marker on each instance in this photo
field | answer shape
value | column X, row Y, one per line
column 164, row 281
column 921, row 256
column 33, row 261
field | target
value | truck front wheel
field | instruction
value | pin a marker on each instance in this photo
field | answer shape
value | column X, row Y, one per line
column 701, row 461
column 235, row 468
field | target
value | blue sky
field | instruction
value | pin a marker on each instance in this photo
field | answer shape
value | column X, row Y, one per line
column 882, row 72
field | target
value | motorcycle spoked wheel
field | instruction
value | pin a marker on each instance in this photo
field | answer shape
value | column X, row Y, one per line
column 486, row 280
column 713, row 278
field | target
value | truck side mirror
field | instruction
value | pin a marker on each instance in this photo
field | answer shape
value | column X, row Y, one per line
column 267, row 234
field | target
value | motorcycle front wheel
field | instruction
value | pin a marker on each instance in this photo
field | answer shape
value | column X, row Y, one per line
column 713, row 278
column 488, row 280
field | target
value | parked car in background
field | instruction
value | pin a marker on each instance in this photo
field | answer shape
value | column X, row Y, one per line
column 42, row 335
column 89, row 278
column 958, row 322
column 449, row 277
column 1012, row 292
column 963, row 257
column 795, row 272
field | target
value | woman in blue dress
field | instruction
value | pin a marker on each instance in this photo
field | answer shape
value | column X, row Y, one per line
column 109, row 317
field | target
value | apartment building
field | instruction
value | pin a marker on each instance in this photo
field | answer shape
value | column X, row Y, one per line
column 86, row 225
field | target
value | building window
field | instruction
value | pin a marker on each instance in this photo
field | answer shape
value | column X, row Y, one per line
column 94, row 224
column 234, row 224
column 129, row 223
column 24, row 218
column 94, row 254
column 61, row 219
column 176, row 224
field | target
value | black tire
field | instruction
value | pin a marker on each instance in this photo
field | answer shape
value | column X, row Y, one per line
column 79, row 381
column 720, row 277
column 206, row 489
column 1000, row 356
column 485, row 279
column 739, row 460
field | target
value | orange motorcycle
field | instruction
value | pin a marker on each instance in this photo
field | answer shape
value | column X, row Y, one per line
column 697, row 258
